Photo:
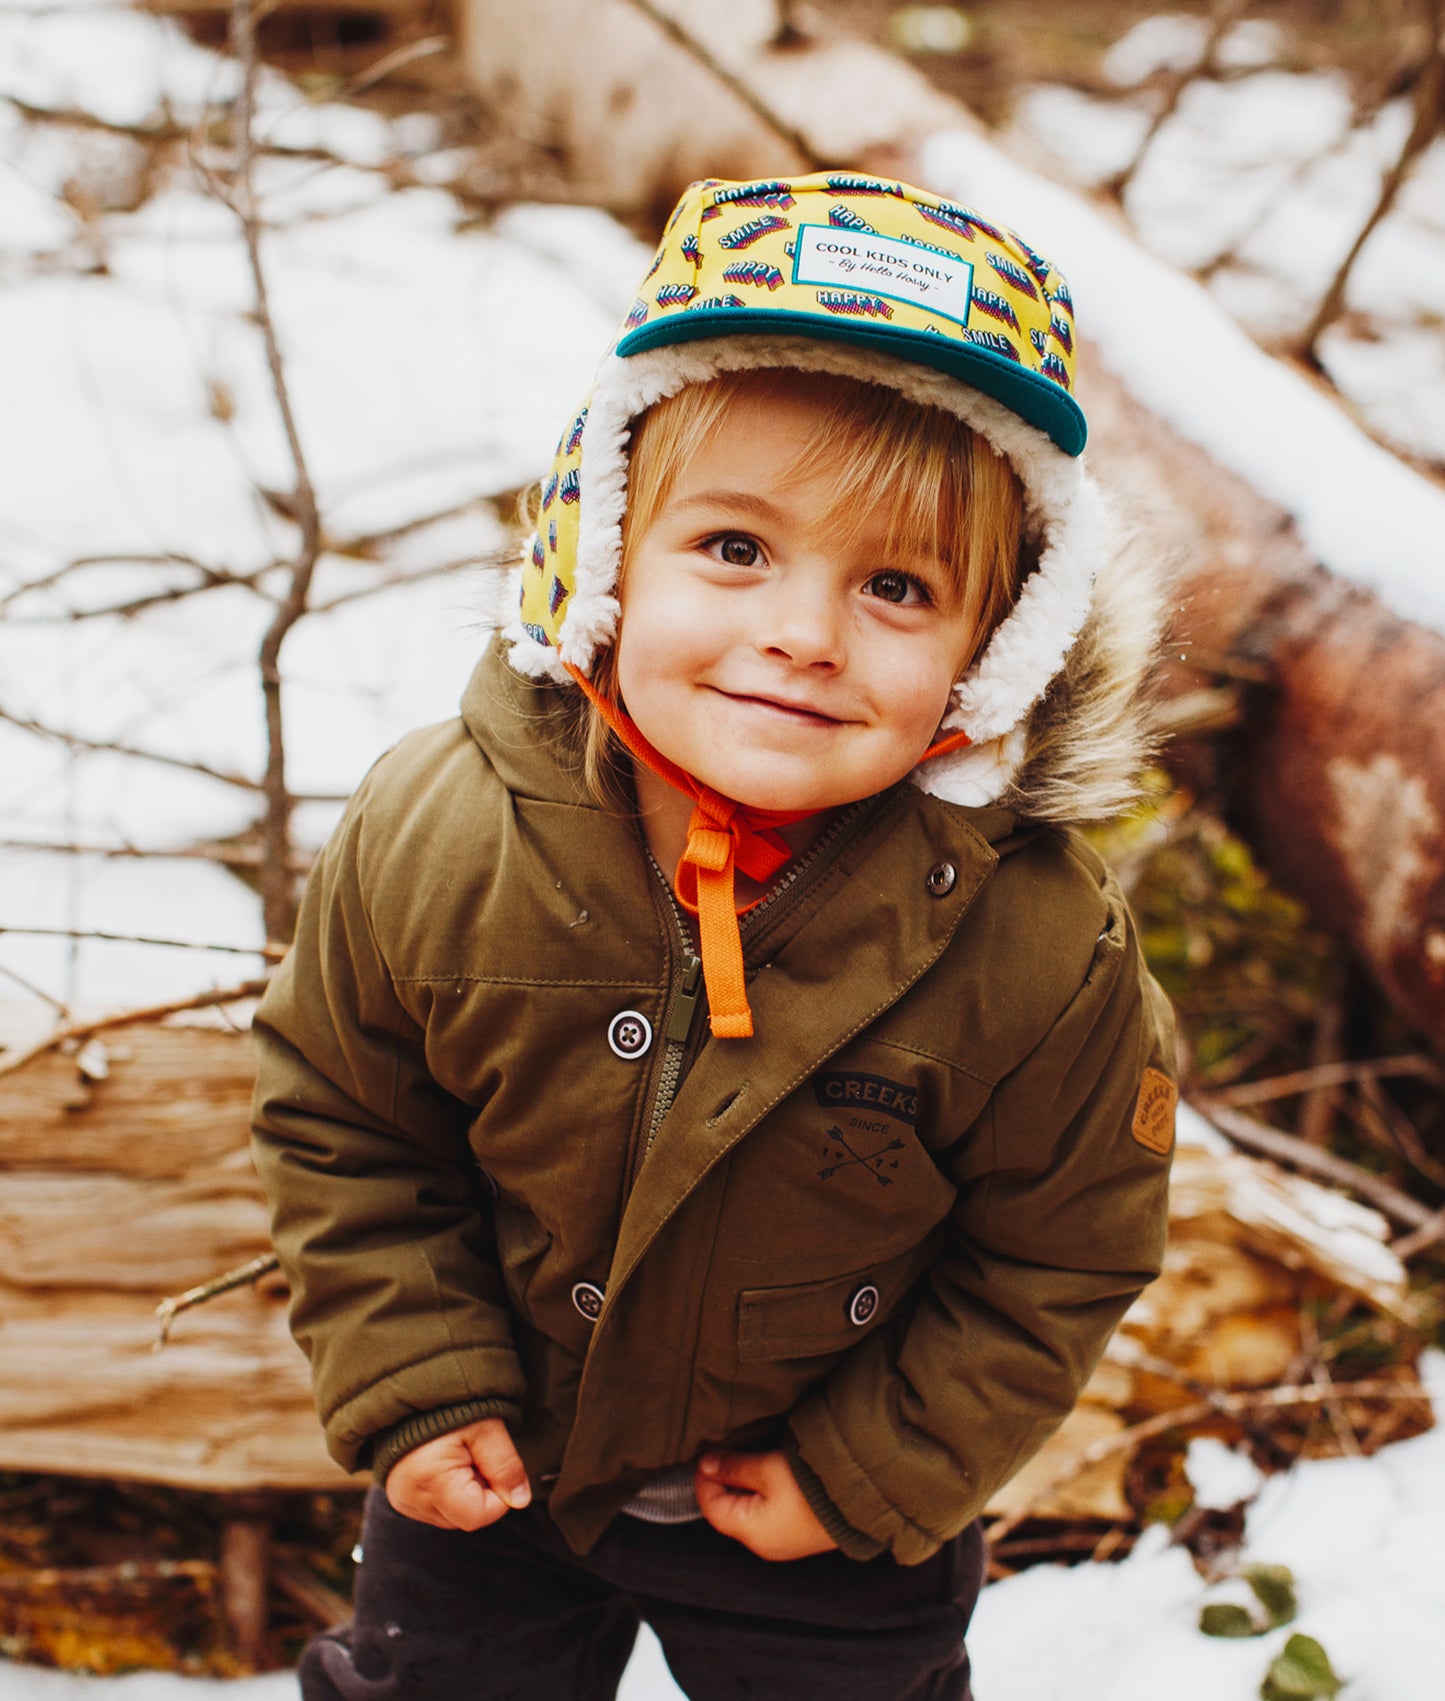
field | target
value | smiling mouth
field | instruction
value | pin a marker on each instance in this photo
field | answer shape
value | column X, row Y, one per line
column 778, row 705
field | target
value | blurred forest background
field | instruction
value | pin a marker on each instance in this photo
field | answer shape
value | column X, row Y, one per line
column 294, row 297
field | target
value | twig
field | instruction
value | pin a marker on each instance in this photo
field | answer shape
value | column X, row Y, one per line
column 270, row 950
column 241, row 1277
column 1430, row 1233
column 303, row 1588
column 1223, row 17
column 278, row 885
column 396, row 60
column 58, row 1005
column 14, row 1060
column 1289, row 1149
column 441, row 570
column 1328, row 1075
column 1425, row 126
column 238, row 858
column 1317, row 1108
column 734, row 84
column 73, row 741
column 152, row 599
column 72, row 1580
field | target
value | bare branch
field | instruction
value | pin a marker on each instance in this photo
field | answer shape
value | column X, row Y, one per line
column 169, row 1309
column 441, row 571
column 152, row 599
column 1329, row 1075
column 278, row 886
column 73, row 741
column 1289, row 1149
column 60, row 1008
column 749, row 96
column 397, row 60
column 240, row 858
column 1429, row 115
column 366, row 543
column 216, row 998
column 1223, row 17
column 271, row 952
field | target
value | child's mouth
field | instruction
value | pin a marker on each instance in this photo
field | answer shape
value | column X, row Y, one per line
column 800, row 712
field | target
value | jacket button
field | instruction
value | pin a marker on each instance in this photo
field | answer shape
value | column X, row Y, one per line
column 629, row 1033
column 587, row 1297
column 941, row 879
column 863, row 1304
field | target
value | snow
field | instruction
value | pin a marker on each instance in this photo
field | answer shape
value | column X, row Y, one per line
column 1363, row 512
column 1220, row 1476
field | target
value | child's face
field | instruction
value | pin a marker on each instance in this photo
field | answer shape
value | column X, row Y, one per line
column 782, row 662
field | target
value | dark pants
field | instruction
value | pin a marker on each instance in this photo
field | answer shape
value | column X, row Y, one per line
column 510, row 1613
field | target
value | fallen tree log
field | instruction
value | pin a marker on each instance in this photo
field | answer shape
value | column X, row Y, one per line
column 113, row 1193
column 121, row 1187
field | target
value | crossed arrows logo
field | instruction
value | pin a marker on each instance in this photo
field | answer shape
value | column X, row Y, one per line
column 845, row 1157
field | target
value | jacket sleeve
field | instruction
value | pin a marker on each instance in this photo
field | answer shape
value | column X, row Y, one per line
column 1055, row 1232
column 376, row 1205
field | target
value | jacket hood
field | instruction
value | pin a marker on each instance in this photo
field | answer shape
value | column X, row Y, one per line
column 956, row 313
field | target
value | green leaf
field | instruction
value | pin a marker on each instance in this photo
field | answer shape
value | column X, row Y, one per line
column 1301, row 1673
column 1225, row 1618
column 1273, row 1586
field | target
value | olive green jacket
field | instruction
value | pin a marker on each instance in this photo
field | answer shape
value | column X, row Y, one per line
column 891, row 1232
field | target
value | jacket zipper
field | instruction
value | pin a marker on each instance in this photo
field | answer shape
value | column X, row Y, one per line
column 689, row 993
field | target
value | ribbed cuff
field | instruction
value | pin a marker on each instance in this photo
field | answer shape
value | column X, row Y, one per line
column 388, row 1445
column 851, row 1542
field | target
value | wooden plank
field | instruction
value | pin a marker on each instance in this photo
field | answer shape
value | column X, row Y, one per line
column 114, row 1194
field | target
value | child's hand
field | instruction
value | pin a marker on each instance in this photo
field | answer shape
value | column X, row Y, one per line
column 755, row 1499
column 460, row 1481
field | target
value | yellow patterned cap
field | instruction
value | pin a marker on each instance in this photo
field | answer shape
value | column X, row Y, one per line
column 874, row 262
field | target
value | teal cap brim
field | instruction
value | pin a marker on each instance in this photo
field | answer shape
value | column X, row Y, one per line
column 1034, row 398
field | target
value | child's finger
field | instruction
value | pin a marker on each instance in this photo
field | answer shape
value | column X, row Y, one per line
column 749, row 1473
column 500, row 1465
column 464, row 1503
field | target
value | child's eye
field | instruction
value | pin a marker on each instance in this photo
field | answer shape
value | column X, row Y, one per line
column 736, row 549
column 900, row 588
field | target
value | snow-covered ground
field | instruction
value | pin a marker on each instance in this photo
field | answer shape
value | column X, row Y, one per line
column 1361, row 1536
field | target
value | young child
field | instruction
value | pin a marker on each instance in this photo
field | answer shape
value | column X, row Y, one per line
column 714, row 1111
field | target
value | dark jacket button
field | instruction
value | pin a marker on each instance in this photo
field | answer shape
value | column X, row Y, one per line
column 587, row 1297
column 941, row 879
column 863, row 1304
column 629, row 1033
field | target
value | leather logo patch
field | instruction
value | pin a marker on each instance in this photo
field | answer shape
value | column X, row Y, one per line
column 1154, row 1112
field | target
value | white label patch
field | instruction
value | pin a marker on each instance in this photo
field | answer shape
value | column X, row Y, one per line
column 882, row 265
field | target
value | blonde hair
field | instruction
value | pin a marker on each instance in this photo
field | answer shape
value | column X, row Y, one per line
column 946, row 492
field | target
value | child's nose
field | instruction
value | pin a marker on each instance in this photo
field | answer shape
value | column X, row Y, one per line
column 807, row 631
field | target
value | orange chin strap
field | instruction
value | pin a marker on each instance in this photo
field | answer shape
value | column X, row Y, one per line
column 722, row 836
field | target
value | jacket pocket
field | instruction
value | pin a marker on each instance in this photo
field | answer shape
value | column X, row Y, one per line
column 807, row 1319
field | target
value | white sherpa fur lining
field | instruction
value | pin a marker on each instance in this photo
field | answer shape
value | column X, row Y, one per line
column 1063, row 508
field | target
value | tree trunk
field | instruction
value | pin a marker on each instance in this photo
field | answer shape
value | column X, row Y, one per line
column 1336, row 769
